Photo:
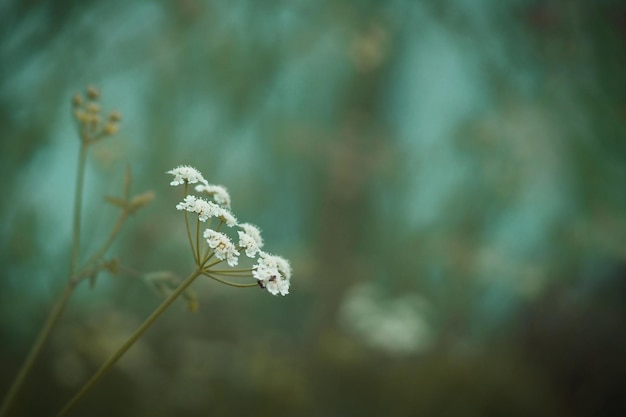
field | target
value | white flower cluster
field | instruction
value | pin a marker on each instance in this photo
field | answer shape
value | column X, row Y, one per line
column 250, row 239
column 219, row 193
column 271, row 271
column 185, row 173
column 223, row 247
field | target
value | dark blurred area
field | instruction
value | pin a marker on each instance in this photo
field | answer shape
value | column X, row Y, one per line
column 448, row 179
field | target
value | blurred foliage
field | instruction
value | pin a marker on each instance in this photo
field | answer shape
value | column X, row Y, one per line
column 447, row 178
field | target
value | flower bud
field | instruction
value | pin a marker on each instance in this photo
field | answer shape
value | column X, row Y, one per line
column 77, row 100
column 115, row 116
column 93, row 93
column 93, row 108
column 110, row 129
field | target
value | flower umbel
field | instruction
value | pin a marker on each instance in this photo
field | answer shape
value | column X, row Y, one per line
column 204, row 209
column 185, row 173
column 250, row 239
column 271, row 272
column 219, row 193
column 223, row 247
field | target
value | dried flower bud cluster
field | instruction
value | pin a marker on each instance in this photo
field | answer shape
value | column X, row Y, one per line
column 272, row 272
column 88, row 114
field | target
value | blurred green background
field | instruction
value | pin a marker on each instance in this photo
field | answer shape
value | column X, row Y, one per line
column 448, row 179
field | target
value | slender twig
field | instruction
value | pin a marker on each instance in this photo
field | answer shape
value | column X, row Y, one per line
column 131, row 340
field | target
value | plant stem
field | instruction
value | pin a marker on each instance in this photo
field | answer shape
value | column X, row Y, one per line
column 232, row 284
column 221, row 271
column 56, row 312
column 134, row 337
column 36, row 349
column 78, row 203
column 193, row 250
column 107, row 244
column 198, row 239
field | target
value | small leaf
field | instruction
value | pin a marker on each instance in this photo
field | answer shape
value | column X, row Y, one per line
column 140, row 201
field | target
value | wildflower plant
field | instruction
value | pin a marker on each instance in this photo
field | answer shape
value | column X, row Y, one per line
column 213, row 247
column 210, row 248
column 93, row 127
column 217, row 242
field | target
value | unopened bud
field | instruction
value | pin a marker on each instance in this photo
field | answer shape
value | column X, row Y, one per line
column 115, row 116
column 77, row 100
column 93, row 93
column 94, row 119
column 81, row 116
column 93, row 108
column 110, row 129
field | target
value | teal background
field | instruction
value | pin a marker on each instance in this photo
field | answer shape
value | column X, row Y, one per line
column 446, row 177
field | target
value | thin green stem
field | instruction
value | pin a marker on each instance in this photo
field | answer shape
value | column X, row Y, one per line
column 53, row 317
column 198, row 239
column 232, row 284
column 130, row 271
column 131, row 340
column 231, row 275
column 107, row 244
column 207, row 255
column 78, row 203
column 221, row 271
column 193, row 250
column 215, row 262
column 58, row 308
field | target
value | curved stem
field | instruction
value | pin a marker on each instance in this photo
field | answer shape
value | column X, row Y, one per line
column 131, row 340
column 222, row 271
column 236, row 275
column 232, row 284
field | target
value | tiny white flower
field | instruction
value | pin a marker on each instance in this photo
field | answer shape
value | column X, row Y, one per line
column 273, row 273
column 185, row 173
column 204, row 209
column 225, row 215
column 223, row 247
column 250, row 239
column 284, row 267
column 219, row 193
